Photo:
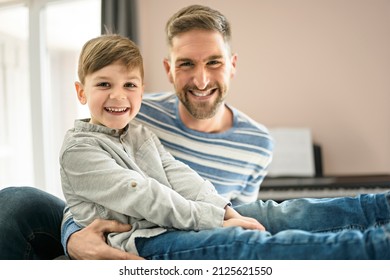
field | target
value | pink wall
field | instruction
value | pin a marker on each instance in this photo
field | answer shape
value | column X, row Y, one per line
column 322, row 64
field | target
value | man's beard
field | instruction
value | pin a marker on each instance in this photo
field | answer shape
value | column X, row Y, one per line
column 202, row 110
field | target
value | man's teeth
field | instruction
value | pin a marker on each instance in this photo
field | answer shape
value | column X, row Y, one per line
column 200, row 94
column 116, row 110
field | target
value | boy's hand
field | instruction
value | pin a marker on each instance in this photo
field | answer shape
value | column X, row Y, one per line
column 90, row 243
column 234, row 219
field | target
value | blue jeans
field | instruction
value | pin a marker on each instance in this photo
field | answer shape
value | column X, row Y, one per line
column 30, row 224
column 321, row 215
column 337, row 228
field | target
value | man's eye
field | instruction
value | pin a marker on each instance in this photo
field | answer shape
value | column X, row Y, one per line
column 214, row 63
column 186, row 64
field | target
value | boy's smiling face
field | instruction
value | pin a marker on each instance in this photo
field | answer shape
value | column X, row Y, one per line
column 113, row 94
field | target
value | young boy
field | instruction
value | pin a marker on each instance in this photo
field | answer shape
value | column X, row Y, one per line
column 113, row 169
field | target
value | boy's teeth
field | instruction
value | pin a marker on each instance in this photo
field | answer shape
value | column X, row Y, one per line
column 116, row 109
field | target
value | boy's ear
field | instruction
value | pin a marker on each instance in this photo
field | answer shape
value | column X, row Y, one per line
column 80, row 93
column 167, row 67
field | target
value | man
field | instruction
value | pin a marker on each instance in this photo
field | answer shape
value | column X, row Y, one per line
column 200, row 67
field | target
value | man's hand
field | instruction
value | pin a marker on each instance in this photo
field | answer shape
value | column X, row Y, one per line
column 234, row 219
column 90, row 243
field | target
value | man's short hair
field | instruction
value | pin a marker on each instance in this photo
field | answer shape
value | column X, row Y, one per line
column 197, row 17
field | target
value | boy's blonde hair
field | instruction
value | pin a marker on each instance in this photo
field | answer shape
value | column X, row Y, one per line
column 104, row 50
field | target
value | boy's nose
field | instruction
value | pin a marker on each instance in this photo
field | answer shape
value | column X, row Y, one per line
column 117, row 94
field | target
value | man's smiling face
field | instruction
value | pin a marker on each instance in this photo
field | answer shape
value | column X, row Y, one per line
column 200, row 68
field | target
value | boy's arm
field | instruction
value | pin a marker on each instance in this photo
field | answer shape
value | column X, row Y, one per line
column 188, row 182
column 90, row 175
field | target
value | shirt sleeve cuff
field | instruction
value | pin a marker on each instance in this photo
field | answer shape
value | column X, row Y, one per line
column 68, row 228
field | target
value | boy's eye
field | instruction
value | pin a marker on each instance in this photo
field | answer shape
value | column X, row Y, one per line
column 130, row 85
column 103, row 84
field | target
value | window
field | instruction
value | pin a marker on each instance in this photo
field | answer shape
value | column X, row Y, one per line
column 15, row 136
column 37, row 106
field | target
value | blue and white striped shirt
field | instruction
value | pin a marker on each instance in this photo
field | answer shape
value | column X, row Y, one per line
column 235, row 161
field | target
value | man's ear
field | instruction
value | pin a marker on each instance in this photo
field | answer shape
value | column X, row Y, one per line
column 233, row 61
column 167, row 67
column 80, row 93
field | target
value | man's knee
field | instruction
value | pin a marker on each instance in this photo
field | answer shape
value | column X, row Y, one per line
column 24, row 200
column 30, row 217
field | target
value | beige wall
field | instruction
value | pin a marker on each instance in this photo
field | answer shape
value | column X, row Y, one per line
column 322, row 64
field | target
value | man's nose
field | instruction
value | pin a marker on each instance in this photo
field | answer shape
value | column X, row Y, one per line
column 201, row 78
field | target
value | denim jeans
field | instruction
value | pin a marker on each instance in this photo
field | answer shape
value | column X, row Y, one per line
column 321, row 215
column 336, row 228
column 30, row 224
